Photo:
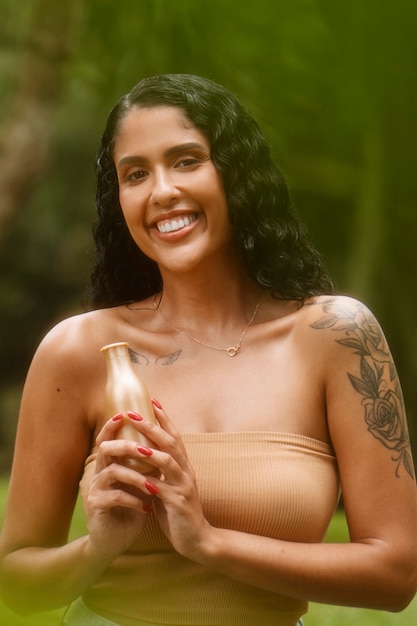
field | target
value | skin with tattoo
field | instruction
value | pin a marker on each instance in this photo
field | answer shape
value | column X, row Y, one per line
column 225, row 357
column 378, row 383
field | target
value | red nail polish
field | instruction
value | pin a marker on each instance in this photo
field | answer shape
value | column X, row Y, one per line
column 147, row 508
column 145, row 451
column 151, row 488
column 156, row 403
column 135, row 416
column 117, row 417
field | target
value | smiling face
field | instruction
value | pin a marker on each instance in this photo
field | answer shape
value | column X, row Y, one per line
column 171, row 195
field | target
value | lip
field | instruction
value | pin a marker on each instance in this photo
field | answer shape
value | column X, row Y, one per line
column 174, row 224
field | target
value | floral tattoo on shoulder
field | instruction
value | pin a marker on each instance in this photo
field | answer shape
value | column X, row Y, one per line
column 378, row 382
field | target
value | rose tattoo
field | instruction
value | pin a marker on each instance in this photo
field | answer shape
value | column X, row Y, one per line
column 377, row 383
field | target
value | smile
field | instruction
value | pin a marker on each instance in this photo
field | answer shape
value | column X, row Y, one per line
column 170, row 226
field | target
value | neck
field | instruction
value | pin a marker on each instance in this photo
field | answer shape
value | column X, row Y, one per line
column 207, row 281
column 219, row 305
column 232, row 349
column 215, row 314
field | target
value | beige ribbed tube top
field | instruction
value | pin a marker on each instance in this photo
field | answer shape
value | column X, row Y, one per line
column 278, row 485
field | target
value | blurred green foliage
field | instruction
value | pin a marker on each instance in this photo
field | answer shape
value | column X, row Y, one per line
column 333, row 86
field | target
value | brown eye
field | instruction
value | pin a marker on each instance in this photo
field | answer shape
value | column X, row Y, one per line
column 187, row 162
column 136, row 175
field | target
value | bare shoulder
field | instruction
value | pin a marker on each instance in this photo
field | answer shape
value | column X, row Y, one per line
column 344, row 321
column 362, row 373
column 328, row 311
column 69, row 354
column 349, row 326
column 79, row 334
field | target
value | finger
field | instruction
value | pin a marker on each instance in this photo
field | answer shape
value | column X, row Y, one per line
column 169, row 443
column 153, row 431
column 110, row 428
column 125, row 452
column 163, row 419
column 108, row 485
column 118, row 498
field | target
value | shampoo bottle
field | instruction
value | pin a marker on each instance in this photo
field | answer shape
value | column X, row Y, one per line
column 125, row 391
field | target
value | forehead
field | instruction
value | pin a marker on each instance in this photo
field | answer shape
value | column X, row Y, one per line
column 154, row 126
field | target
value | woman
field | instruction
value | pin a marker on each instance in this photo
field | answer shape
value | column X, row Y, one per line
column 278, row 392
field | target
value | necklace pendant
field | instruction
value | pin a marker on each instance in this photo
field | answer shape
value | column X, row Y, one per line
column 233, row 350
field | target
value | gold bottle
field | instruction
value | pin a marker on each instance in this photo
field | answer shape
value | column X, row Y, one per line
column 125, row 391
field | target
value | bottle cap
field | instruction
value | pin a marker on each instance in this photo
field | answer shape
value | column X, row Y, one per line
column 115, row 349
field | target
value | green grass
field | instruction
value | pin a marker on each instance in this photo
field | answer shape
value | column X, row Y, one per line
column 319, row 615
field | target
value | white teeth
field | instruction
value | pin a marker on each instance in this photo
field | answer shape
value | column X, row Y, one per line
column 170, row 226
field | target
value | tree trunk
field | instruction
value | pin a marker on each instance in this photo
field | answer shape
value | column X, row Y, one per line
column 368, row 230
column 26, row 130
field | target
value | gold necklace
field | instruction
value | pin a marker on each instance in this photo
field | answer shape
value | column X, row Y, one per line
column 231, row 350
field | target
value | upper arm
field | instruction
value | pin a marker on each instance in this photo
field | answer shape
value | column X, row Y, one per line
column 367, row 425
column 53, row 439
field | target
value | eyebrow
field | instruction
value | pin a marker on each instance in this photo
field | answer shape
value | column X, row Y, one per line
column 184, row 147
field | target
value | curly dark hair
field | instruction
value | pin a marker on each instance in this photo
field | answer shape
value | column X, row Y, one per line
column 269, row 236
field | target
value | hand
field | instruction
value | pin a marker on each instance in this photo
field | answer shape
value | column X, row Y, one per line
column 115, row 498
column 176, row 501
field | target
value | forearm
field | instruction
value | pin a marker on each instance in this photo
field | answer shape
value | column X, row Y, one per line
column 351, row 574
column 36, row 578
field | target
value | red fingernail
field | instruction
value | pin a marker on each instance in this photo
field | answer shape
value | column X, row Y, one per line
column 135, row 416
column 117, row 417
column 145, row 451
column 147, row 508
column 156, row 403
column 151, row 488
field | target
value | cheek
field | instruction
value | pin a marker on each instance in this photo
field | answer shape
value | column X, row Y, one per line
column 134, row 224
column 131, row 206
column 141, row 239
column 126, row 198
column 220, row 195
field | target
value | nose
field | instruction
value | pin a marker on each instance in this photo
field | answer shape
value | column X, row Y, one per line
column 164, row 190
